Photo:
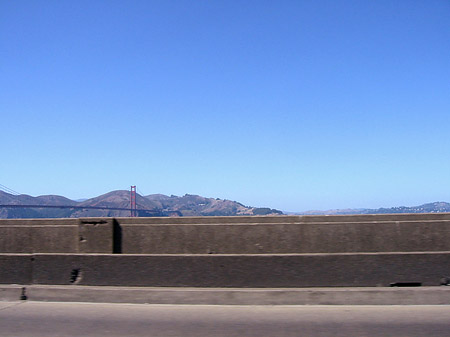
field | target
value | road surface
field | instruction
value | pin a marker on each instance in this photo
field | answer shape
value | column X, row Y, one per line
column 94, row 319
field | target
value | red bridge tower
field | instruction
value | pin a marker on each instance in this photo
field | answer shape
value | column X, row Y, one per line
column 133, row 208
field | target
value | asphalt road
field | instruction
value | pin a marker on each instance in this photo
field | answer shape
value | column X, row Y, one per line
column 94, row 319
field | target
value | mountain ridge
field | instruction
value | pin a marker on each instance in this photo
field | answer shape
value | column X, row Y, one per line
column 164, row 205
column 432, row 207
column 150, row 205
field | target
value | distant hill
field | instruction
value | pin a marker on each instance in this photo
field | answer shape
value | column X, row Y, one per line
column 434, row 207
column 195, row 205
column 164, row 205
column 158, row 204
column 23, row 199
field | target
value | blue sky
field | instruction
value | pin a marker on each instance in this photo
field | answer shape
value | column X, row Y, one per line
column 295, row 105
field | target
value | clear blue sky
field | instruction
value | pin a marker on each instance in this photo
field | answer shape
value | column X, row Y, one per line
column 295, row 105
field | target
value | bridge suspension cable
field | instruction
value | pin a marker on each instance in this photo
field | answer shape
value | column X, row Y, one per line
column 8, row 190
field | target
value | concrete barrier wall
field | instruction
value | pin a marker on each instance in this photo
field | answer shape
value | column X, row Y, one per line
column 229, row 235
column 266, row 271
column 57, row 236
column 284, row 251
column 276, row 238
column 287, row 219
column 16, row 268
column 42, row 239
column 96, row 235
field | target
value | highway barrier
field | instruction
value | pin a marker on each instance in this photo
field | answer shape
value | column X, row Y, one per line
column 259, row 251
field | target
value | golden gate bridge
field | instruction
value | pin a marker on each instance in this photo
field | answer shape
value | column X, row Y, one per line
column 134, row 210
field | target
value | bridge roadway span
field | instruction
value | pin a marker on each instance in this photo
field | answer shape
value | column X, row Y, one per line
column 265, row 252
column 150, row 211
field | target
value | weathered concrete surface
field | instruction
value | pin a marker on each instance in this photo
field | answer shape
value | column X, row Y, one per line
column 16, row 268
column 231, row 296
column 11, row 292
column 279, row 238
column 39, row 222
column 290, row 270
column 284, row 251
column 95, row 235
column 229, row 235
column 289, row 218
column 38, row 238
column 90, row 235
column 233, row 270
